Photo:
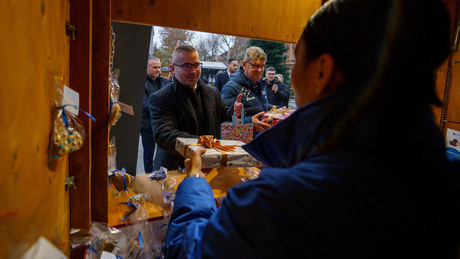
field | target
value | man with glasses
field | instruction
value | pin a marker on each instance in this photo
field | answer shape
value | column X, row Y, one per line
column 153, row 82
column 186, row 108
column 246, row 81
column 277, row 92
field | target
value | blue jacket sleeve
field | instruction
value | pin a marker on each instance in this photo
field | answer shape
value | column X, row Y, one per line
column 194, row 205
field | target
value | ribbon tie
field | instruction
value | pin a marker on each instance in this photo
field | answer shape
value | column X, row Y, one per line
column 64, row 116
column 210, row 142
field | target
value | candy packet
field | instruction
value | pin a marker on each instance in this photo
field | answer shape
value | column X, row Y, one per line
column 68, row 132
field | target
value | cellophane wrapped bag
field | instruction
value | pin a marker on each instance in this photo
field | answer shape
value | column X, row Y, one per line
column 68, row 132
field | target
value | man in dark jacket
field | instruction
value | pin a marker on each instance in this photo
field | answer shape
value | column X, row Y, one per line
column 277, row 92
column 223, row 77
column 246, row 81
column 186, row 108
column 153, row 82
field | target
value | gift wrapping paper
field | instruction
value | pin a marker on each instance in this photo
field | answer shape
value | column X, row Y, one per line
column 236, row 131
column 215, row 159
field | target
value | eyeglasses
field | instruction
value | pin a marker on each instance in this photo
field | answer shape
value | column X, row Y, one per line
column 187, row 66
column 256, row 67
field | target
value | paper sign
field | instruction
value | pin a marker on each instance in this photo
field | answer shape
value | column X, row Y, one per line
column 43, row 249
column 128, row 109
column 107, row 255
column 71, row 97
column 453, row 141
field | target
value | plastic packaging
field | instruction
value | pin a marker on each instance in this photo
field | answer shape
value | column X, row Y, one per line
column 68, row 133
column 276, row 115
column 119, row 178
column 115, row 109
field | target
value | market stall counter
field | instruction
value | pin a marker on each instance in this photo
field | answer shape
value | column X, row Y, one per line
column 155, row 192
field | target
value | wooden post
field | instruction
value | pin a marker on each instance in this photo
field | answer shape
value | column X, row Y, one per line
column 80, row 81
column 101, row 40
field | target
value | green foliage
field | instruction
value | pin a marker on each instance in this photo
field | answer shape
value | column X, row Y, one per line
column 276, row 56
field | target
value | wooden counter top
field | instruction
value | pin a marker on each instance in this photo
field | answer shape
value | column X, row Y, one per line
column 220, row 180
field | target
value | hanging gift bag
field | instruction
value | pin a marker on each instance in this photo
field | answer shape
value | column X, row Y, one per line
column 237, row 129
column 68, row 132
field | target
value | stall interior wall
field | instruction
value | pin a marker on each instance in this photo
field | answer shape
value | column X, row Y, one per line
column 448, row 76
column 34, row 51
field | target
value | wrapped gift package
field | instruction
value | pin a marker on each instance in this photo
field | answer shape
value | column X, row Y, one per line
column 237, row 129
column 276, row 115
column 219, row 153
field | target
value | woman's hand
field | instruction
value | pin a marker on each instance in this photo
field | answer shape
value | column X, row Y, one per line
column 259, row 126
column 193, row 164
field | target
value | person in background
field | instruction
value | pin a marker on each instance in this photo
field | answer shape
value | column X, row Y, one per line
column 280, row 77
column 246, row 81
column 277, row 92
column 165, row 72
column 153, row 82
column 362, row 172
column 223, row 77
column 186, row 108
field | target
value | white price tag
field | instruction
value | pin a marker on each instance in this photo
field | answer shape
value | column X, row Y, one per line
column 71, row 97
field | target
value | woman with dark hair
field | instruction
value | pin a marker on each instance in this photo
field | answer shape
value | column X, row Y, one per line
column 363, row 173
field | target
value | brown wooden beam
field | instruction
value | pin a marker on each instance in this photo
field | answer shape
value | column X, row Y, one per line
column 80, row 81
column 273, row 20
column 100, row 108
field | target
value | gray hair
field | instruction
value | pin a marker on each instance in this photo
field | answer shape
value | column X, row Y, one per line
column 254, row 52
column 153, row 58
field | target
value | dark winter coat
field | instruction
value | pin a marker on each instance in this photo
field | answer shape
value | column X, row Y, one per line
column 281, row 97
column 221, row 79
column 151, row 86
column 174, row 116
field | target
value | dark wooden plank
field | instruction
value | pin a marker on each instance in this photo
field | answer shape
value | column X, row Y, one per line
column 100, row 108
column 80, row 81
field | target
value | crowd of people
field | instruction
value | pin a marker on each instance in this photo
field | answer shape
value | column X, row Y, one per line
column 340, row 180
column 203, row 108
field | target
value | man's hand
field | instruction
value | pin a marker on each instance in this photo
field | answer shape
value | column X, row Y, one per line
column 259, row 126
column 275, row 88
column 238, row 106
column 193, row 164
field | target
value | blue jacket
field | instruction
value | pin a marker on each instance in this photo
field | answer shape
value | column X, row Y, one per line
column 254, row 97
column 151, row 86
column 346, row 203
